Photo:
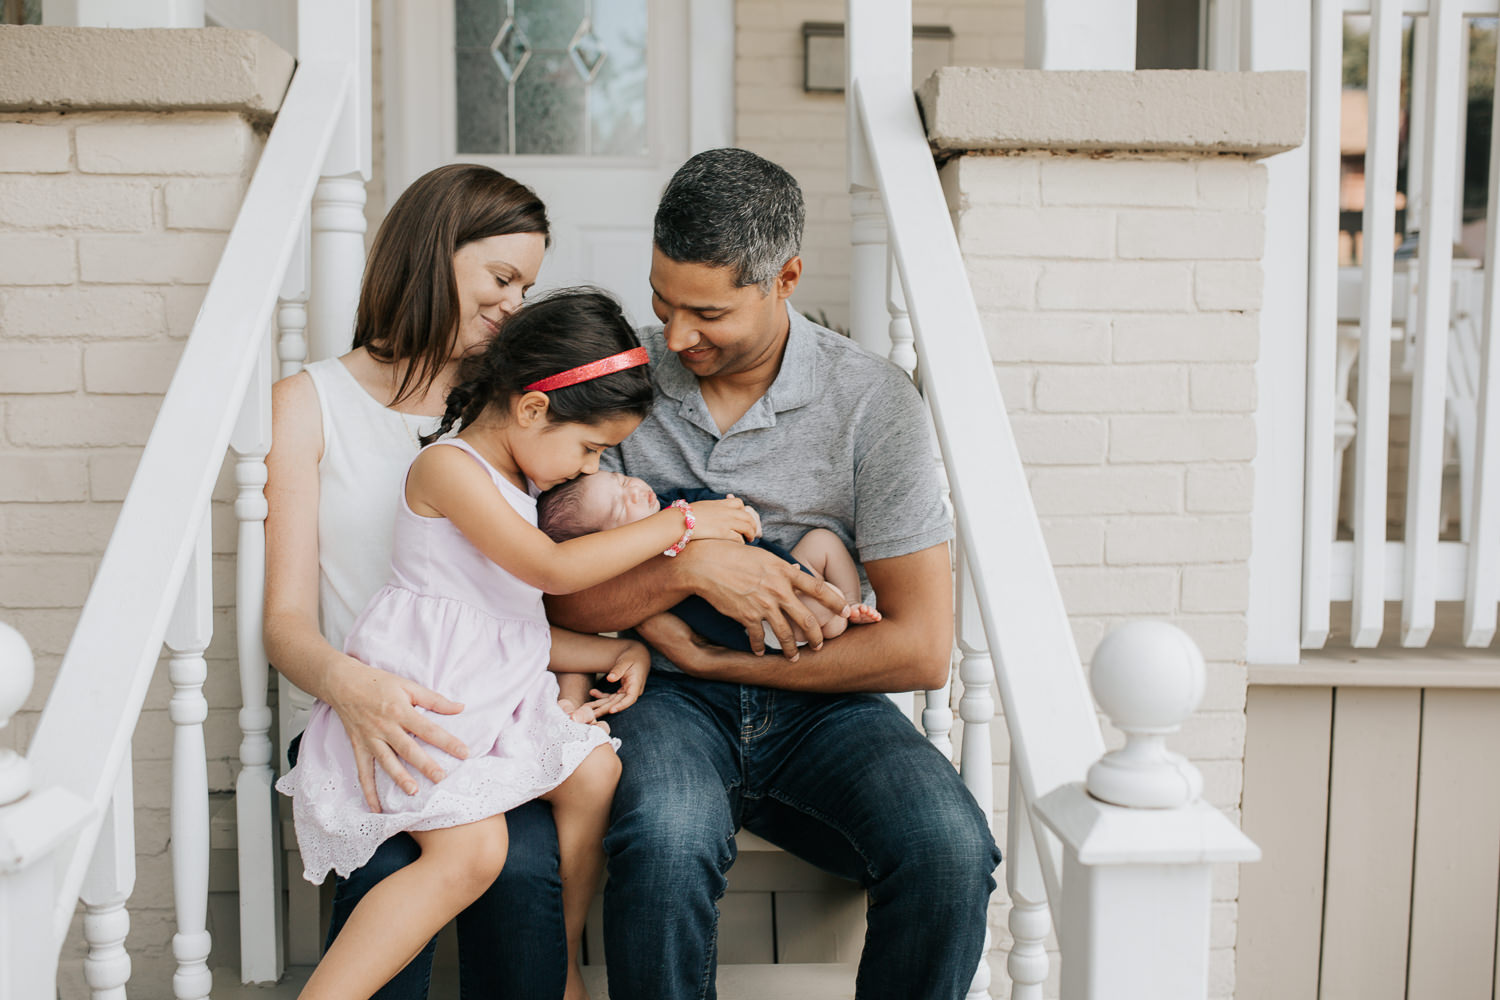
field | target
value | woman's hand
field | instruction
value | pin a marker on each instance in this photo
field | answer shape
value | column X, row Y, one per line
column 728, row 519
column 379, row 713
column 630, row 669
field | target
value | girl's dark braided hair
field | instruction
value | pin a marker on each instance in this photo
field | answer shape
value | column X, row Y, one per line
column 559, row 331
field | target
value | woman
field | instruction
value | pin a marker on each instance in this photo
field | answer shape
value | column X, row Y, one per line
column 451, row 261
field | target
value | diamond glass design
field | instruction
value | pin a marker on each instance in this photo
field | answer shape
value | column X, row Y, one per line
column 511, row 49
column 587, row 51
column 550, row 77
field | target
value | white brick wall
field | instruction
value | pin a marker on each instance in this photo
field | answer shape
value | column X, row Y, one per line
column 110, row 227
column 805, row 132
column 1118, row 296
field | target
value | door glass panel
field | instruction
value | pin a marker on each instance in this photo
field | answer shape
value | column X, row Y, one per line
column 551, row 77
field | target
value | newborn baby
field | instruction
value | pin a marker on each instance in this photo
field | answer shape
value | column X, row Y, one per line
column 607, row 500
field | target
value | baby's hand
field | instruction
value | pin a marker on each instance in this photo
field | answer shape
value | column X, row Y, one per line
column 582, row 713
column 725, row 519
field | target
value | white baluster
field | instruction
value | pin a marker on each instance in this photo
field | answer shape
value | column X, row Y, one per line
column 338, row 260
column 937, row 719
column 188, row 635
column 259, row 836
column 291, row 314
column 868, row 318
column 976, row 707
column 106, row 888
column 1030, row 919
column 1140, row 843
column 937, row 708
column 903, row 346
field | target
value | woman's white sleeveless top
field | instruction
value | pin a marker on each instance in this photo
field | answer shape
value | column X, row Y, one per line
column 366, row 451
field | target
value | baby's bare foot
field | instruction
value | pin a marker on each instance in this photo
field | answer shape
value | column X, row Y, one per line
column 863, row 614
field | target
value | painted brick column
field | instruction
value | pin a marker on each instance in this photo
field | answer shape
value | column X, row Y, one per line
column 1113, row 227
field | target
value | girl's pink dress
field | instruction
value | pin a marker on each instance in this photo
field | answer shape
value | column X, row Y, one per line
column 453, row 621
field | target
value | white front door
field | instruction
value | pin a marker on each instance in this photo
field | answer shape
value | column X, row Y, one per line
column 593, row 103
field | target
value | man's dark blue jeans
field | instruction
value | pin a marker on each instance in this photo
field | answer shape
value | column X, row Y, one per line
column 511, row 941
column 844, row 781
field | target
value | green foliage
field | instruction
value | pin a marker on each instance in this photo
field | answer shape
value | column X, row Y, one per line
column 1356, row 59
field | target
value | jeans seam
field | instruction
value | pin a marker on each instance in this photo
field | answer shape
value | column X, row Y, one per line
column 829, row 821
column 747, row 733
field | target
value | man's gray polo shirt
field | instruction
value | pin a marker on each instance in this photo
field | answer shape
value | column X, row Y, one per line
column 841, row 441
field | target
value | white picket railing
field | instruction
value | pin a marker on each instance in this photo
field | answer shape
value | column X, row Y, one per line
column 153, row 585
column 1428, row 313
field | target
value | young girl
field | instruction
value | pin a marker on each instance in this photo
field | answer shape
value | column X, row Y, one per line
column 462, row 613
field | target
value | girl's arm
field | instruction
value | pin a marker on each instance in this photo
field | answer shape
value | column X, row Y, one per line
column 624, row 660
column 378, row 709
column 451, row 482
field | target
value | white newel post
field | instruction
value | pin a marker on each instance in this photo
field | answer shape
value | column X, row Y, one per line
column 33, row 824
column 106, row 889
column 338, row 260
column 1139, row 842
column 188, row 635
column 258, row 834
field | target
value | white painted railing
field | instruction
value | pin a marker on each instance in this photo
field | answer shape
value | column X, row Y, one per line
column 154, row 582
column 1428, row 314
column 1012, row 626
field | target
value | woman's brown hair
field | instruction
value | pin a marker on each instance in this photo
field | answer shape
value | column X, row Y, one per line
column 408, row 303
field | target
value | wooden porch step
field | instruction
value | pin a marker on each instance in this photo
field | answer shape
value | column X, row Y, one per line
column 736, row 982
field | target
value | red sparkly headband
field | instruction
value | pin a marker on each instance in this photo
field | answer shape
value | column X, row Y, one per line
column 633, row 358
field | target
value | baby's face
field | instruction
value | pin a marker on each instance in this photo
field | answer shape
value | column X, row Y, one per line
column 610, row 500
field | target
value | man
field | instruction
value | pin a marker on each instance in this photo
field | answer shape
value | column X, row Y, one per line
column 813, row 432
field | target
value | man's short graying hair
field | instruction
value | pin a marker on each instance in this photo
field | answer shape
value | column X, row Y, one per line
column 731, row 208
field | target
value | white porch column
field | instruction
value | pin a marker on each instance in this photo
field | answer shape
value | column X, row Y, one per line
column 1080, row 34
column 124, row 13
column 877, row 44
column 1139, row 841
column 338, row 30
column 1277, row 35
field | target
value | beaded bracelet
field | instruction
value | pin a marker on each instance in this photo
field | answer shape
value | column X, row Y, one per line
column 689, row 523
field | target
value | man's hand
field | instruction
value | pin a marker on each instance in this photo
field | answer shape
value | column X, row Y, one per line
column 379, row 713
column 630, row 670
column 753, row 586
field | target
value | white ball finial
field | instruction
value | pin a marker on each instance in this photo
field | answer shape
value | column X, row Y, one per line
column 1148, row 677
column 16, row 675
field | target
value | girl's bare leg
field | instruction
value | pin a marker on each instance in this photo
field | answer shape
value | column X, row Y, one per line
column 399, row 916
column 580, row 809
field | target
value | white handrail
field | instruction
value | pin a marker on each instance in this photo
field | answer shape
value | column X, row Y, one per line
column 85, row 728
column 1054, row 732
